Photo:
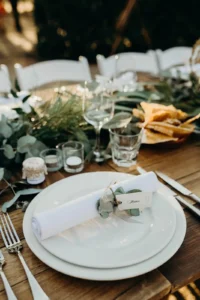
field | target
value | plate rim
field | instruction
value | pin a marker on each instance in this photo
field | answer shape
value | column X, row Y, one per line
column 106, row 274
column 85, row 259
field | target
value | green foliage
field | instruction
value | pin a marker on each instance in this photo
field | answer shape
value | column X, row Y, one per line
column 1, row 173
column 183, row 94
column 8, row 151
column 60, row 120
column 61, row 115
column 54, row 122
column 119, row 120
column 24, row 143
column 5, row 129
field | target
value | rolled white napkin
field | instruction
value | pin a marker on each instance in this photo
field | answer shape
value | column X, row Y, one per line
column 72, row 213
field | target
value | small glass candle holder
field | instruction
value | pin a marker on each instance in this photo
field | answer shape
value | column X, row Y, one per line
column 52, row 159
column 73, row 156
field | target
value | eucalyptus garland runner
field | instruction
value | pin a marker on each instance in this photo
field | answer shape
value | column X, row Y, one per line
column 44, row 126
column 60, row 119
column 47, row 125
column 183, row 94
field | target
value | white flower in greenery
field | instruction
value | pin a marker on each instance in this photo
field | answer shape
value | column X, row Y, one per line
column 77, row 90
column 117, row 84
column 8, row 112
column 26, row 107
column 7, row 106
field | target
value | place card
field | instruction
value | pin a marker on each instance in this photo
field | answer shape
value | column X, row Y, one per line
column 138, row 200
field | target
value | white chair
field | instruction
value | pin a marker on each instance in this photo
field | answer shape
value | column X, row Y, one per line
column 140, row 62
column 47, row 72
column 173, row 56
column 5, row 84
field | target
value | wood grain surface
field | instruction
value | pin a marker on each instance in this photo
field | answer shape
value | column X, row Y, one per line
column 181, row 163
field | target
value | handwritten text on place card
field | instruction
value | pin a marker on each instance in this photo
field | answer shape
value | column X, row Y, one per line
column 139, row 200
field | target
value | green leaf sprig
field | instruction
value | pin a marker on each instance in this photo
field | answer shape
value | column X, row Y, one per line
column 106, row 207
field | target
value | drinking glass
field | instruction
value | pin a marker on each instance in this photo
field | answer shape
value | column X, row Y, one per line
column 98, row 109
column 73, row 156
column 125, row 143
column 52, row 159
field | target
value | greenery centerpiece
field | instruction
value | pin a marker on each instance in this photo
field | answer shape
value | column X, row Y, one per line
column 47, row 124
column 180, row 91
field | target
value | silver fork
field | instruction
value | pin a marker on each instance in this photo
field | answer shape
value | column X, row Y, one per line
column 9, row 291
column 14, row 245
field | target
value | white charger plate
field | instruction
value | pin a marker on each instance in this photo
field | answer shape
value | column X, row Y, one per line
column 109, row 243
column 106, row 274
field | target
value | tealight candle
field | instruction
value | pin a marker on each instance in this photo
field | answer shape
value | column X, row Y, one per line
column 34, row 170
column 53, row 159
column 74, row 162
column 73, row 155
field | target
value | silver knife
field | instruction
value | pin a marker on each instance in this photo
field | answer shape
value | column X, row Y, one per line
column 179, row 187
column 166, row 190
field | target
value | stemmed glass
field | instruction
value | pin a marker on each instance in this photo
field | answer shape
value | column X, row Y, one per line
column 98, row 109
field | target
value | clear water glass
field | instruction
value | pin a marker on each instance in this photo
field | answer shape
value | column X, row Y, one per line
column 98, row 109
column 125, row 143
column 73, row 156
column 53, row 159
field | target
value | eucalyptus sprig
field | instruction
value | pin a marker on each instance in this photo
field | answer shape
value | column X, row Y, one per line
column 48, row 125
column 183, row 94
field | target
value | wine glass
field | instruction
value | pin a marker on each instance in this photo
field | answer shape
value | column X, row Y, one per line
column 98, row 109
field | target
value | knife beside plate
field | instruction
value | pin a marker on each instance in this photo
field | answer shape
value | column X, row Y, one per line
column 170, row 192
column 178, row 187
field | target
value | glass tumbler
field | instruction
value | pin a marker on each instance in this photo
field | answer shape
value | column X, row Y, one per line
column 125, row 143
column 52, row 159
column 73, row 156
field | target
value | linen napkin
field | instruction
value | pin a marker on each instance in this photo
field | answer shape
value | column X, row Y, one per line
column 72, row 213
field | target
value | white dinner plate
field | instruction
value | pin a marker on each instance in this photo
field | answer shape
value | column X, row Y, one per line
column 106, row 274
column 112, row 242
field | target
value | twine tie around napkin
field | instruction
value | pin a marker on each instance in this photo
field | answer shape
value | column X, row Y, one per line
column 107, row 207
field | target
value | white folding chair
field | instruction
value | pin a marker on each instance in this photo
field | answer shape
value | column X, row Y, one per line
column 5, row 84
column 140, row 62
column 47, row 72
column 173, row 56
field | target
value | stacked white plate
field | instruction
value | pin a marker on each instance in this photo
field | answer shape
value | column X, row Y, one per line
column 110, row 249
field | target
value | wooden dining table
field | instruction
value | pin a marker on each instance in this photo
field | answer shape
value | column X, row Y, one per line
column 181, row 163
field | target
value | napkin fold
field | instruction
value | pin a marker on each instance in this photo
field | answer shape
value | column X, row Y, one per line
column 51, row 222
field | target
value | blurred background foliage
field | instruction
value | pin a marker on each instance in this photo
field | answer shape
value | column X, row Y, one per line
column 69, row 28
